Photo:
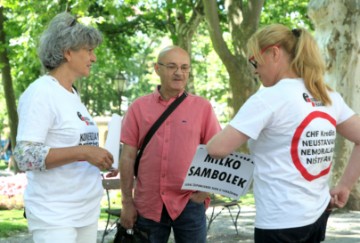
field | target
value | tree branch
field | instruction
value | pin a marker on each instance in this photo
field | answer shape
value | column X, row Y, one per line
column 219, row 44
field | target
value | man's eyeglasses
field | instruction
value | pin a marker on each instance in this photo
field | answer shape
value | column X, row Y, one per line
column 173, row 68
column 252, row 60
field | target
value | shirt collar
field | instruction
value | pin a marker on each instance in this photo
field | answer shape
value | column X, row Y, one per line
column 158, row 96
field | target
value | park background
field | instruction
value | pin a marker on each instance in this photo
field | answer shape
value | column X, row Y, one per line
column 214, row 32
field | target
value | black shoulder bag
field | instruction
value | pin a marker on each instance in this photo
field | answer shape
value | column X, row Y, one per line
column 154, row 128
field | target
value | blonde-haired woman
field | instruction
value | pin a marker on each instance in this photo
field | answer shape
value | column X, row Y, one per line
column 291, row 125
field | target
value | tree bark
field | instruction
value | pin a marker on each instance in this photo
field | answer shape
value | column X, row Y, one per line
column 7, row 83
column 243, row 20
column 337, row 32
column 185, row 31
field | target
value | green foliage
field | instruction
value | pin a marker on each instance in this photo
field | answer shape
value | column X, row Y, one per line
column 3, row 165
column 210, row 76
column 133, row 32
column 291, row 13
column 248, row 199
column 23, row 26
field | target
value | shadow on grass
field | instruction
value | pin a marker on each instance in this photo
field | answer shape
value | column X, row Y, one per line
column 8, row 229
column 12, row 223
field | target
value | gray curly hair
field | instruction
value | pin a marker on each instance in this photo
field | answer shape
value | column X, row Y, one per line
column 65, row 33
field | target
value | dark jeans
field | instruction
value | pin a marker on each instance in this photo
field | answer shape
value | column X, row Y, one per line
column 312, row 233
column 189, row 227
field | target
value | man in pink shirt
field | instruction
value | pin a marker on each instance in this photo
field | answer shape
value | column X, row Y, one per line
column 158, row 203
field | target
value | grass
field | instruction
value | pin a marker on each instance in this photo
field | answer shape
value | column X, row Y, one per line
column 12, row 222
column 3, row 165
column 248, row 199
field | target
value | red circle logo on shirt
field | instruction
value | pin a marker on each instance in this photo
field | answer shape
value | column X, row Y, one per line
column 313, row 145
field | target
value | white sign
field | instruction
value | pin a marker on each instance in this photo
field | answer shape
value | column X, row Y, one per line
column 112, row 143
column 230, row 176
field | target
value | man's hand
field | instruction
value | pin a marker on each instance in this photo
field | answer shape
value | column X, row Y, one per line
column 128, row 215
column 199, row 197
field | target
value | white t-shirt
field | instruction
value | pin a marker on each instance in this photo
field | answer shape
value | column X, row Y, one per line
column 68, row 195
column 292, row 139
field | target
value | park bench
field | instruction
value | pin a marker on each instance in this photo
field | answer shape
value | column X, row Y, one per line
column 224, row 203
column 113, row 213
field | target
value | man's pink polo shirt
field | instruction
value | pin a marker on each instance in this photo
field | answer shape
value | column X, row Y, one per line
column 168, row 155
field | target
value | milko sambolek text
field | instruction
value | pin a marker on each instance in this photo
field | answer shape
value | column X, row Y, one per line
column 216, row 174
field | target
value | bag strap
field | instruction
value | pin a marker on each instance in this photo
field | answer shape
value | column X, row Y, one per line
column 155, row 126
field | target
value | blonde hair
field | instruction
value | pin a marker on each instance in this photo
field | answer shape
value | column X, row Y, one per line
column 304, row 53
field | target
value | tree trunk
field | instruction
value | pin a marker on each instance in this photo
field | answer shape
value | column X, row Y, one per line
column 243, row 20
column 7, row 83
column 337, row 32
column 185, row 30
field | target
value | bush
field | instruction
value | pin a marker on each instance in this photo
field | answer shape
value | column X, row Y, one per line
column 12, row 190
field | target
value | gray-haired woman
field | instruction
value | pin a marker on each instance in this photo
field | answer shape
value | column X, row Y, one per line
column 57, row 141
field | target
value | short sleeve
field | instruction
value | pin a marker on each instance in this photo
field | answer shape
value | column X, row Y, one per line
column 35, row 114
column 210, row 125
column 343, row 110
column 130, row 128
column 252, row 117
